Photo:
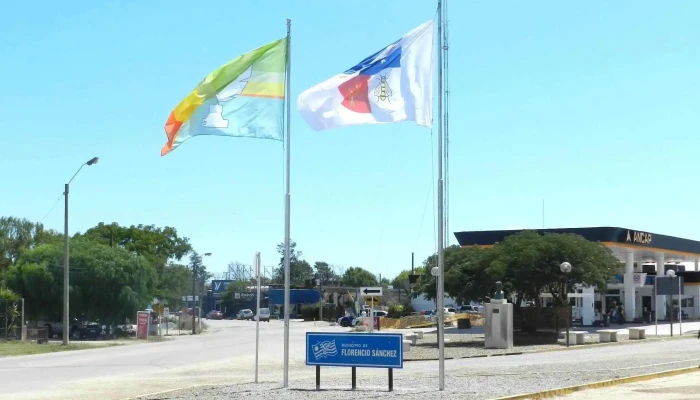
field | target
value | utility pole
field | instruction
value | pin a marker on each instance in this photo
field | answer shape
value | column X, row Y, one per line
column 194, row 297
column 66, row 256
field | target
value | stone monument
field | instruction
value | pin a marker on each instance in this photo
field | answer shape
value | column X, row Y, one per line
column 498, row 324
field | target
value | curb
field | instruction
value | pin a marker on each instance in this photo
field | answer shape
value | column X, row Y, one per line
column 459, row 358
column 597, row 385
column 571, row 348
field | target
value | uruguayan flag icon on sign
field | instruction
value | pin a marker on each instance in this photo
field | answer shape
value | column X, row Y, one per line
column 325, row 349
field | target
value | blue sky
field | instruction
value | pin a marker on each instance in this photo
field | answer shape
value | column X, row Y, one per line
column 593, row 107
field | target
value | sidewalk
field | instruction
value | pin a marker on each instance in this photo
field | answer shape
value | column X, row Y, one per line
column 680, row 387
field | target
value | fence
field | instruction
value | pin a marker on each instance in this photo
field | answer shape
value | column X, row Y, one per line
column 10, row 321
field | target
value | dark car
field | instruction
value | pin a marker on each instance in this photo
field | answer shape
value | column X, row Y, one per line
column 346, row 320
column 215, row 315
column 87, row 331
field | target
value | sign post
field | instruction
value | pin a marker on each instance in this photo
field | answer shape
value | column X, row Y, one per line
column 372, row 293
column 353, row 350
column 671, row 285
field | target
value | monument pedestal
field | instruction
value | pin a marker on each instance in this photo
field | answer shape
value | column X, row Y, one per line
column 498, row 325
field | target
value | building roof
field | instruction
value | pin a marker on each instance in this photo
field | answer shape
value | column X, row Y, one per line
column 644, row 244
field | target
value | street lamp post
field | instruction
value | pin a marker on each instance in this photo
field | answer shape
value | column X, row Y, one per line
column 566, row 269
column 66, row 255
column 672, row 274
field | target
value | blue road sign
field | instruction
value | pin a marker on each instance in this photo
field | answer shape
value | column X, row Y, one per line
column 369, row 350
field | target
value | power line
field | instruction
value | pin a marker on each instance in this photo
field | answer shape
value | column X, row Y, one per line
column 52, row 208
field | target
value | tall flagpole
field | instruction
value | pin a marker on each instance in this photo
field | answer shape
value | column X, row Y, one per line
column 287, row 208
column 441, row 220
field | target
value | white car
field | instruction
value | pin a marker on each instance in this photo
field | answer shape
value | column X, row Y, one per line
column 263, row 315
column 245, row 314
column 377, row 313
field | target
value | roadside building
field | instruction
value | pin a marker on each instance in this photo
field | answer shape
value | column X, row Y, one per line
column 645, row 256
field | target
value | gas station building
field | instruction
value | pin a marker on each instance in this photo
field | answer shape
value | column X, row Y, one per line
column 644, row 256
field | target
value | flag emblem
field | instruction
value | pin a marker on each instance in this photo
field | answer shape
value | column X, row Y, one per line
column 325, row 349
column 243, row 98
column 394, row 84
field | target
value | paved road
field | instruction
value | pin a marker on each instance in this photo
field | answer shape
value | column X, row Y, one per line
column 681, row 387
column 226, row 353
column 226, row 356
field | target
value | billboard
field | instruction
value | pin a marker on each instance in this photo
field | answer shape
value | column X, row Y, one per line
column 142, row 324
column 219, row 286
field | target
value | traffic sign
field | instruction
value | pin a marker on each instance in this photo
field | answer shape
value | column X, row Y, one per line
column 370, row 350
column 372, row 299
column 371, row 291
column 158, row 308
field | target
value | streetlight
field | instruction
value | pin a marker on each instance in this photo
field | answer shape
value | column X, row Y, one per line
column 672, row 274
column 565, row 268
column 66, row 256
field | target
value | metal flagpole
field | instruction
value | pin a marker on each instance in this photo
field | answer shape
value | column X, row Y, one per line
column 441, row 221
column 287, row 207
column 257, row 313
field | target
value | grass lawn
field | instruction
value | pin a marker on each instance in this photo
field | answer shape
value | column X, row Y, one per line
column 17, row 348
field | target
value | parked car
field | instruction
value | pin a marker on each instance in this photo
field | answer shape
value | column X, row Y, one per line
column 263, row 315
column 346, row 320
column 376, row 313
column 245, row 314
column 468, row 309
column 214, row 314
column 88, row 330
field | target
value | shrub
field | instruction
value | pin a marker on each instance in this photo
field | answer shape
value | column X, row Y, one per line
column 398, row 310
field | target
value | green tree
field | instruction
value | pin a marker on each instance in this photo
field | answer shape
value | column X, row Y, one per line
column 401, row 281
column 227, row 297
column 357, row 276
column 162, row 247
column 106, row 283
column 157, row 245
column 530, row 264
column 467, row 274
column 299, row 270
column 8, row 296
column 174, row 282
column 197, row 264
column 325, row 273
column 526, row 263
column 18, row 235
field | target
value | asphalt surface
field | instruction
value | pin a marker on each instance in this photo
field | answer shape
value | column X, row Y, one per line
column 479, row 378
column 224, row 354
column 222, row 364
